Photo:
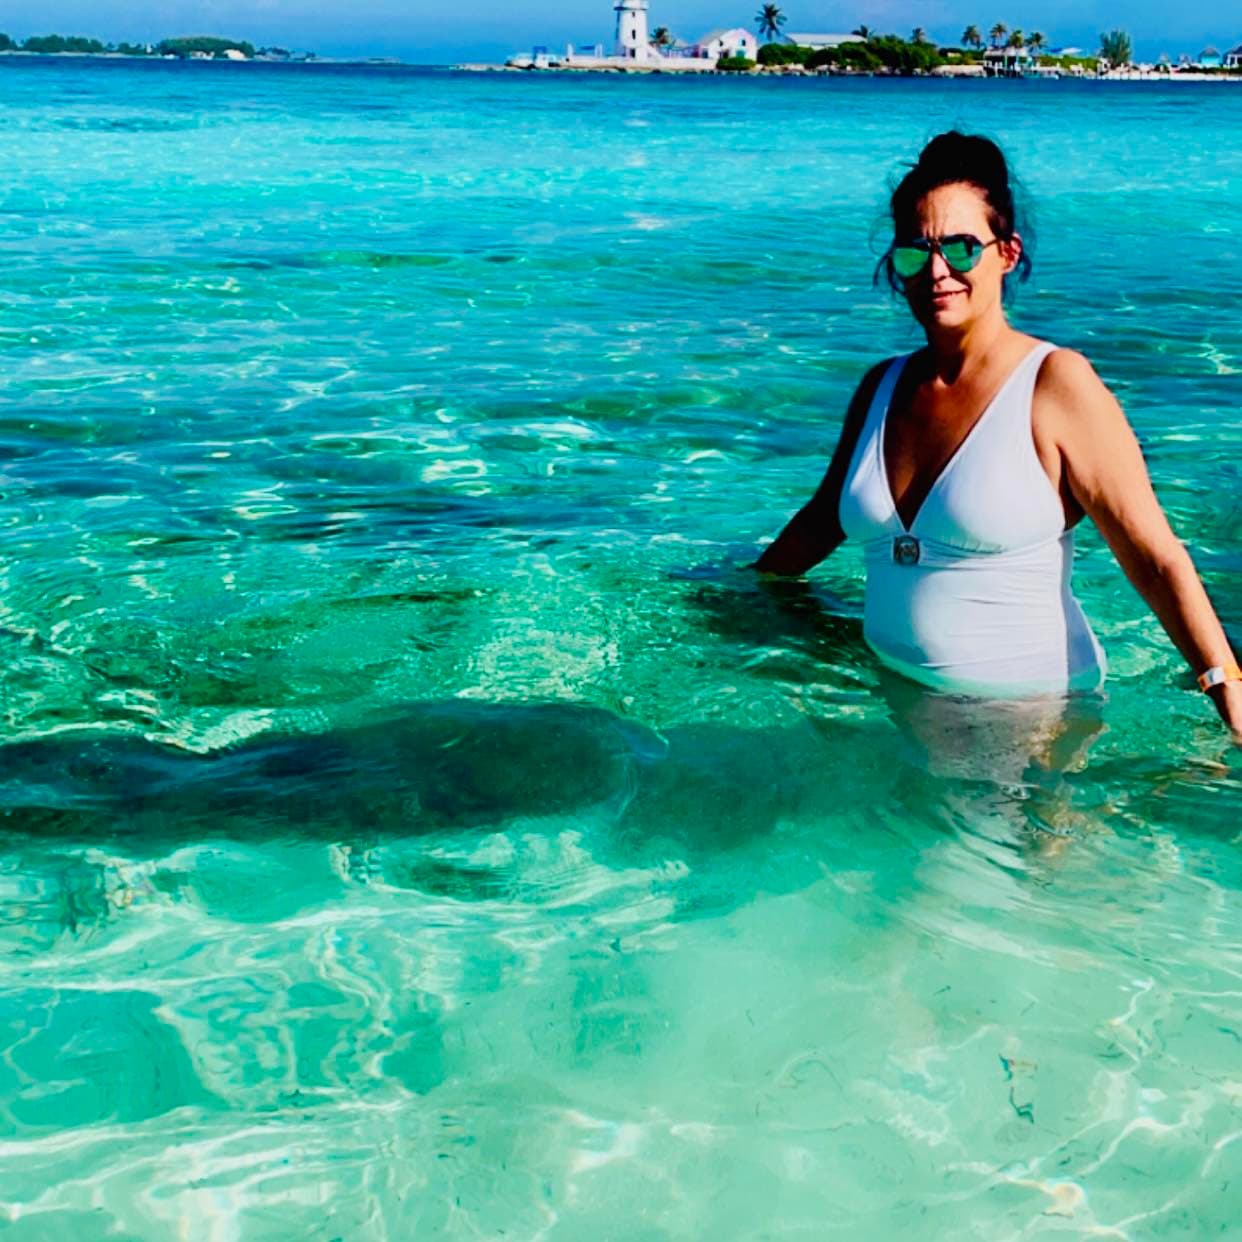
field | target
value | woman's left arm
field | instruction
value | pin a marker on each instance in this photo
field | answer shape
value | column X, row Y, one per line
column 1105, row 471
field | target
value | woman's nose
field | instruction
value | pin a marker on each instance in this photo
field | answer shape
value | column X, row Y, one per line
column 938, row 266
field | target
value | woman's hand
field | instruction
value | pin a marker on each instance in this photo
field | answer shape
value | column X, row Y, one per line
column 1228, row 700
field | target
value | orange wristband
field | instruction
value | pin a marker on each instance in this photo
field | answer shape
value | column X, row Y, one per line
column 1219, row 675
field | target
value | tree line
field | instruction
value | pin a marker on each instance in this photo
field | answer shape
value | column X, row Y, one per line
column 917, row 54
column 51, row 45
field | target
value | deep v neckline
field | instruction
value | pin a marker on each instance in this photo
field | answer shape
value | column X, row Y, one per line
column 908, row 528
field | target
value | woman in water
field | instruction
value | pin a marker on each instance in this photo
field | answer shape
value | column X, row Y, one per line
column 964, row 467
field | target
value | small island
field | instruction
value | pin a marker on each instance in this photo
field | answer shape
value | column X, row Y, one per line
column 1005, row 53
column 185, row 47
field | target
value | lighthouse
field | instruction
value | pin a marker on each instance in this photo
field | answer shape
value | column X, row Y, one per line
column 632, row 39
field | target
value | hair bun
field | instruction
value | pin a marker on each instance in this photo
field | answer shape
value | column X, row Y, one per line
column 964, row 157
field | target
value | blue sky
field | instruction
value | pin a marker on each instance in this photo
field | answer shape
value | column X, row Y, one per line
column 421, row 30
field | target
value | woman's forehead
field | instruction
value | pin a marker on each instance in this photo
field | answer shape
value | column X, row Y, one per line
column 956, row 208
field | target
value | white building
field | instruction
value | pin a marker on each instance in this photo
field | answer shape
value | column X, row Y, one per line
column 1008, row 62
column 1233, row 58
column 632, row 48
column 818, row 42
column 735, row 42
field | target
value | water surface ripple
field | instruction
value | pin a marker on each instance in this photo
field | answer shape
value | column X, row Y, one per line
column 415, row 823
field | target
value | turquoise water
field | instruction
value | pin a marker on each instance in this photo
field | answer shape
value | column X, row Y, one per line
column 416, row 825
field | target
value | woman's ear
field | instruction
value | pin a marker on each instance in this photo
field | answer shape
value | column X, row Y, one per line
column 1011, row 252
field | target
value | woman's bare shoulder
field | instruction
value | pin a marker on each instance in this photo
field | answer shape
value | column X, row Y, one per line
column 1066, row 374
column 1074, row 409
column 1070, row 393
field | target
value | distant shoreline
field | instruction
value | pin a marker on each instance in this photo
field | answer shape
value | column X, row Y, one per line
column 604, row 71
column 298, row 62
column 784, row 71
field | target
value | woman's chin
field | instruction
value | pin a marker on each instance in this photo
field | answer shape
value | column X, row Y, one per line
column 950, row 312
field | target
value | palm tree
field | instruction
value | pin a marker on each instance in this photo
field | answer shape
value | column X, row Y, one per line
column 919, row 35
column 1016, row 41
column 970, row 37
column 1115, row 48
column 770, row 19
column 1036, row 42
column 863, row 32
column 661, row 36
column 997, row 33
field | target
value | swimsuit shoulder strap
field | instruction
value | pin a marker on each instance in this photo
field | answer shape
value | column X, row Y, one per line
column 1035, row 359
column 884, row 391
column 1016, row 392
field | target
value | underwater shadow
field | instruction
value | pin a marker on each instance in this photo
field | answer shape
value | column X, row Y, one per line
column 433, row 767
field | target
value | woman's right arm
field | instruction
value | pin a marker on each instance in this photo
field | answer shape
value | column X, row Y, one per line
column 815, row 530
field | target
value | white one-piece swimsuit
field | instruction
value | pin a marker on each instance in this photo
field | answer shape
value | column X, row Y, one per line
column 975, row 595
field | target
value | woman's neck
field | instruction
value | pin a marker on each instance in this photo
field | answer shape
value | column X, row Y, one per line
column 956, row 350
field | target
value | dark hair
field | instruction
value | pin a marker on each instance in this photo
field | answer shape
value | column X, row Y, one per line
column 947, row 159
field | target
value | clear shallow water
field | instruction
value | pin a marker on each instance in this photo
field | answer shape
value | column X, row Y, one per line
column 413, row 822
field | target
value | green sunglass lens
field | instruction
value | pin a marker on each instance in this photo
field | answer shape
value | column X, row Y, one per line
column 961, row 255
column 909, row 260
